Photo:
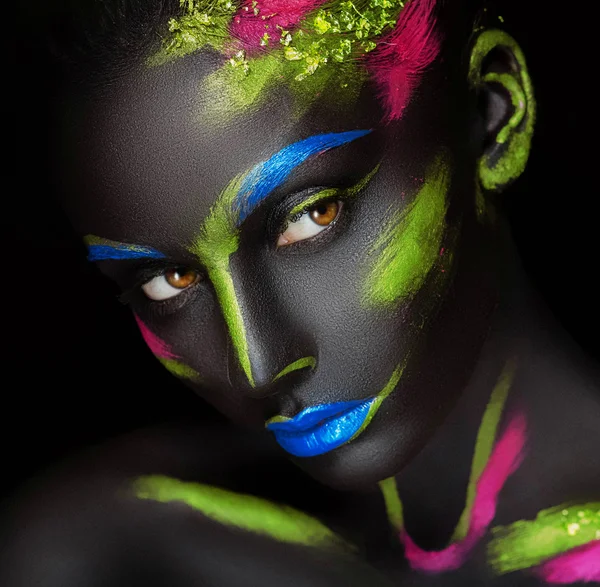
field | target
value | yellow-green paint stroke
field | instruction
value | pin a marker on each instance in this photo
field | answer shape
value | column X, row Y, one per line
column 302, row 363
column 246, row 512
column 179, row 369
column 409, row 244
column 393, row 505
column 556, row 530
column 486, row 437
column 217, row 241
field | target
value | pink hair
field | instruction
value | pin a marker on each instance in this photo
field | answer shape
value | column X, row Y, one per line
column 160, row 348
column 504, row 460
column 579, row 564
column 248, row 28
column 402, row 56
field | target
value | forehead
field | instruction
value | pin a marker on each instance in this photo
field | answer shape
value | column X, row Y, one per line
column 142, row 157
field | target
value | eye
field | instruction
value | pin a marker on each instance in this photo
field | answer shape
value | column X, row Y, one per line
column 170, row 283
column 310, row 221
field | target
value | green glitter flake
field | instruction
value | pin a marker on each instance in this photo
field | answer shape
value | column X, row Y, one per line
column 554, row 531
column 202, row 24
column 515, row 138
column 246, row 512
column 409, row 245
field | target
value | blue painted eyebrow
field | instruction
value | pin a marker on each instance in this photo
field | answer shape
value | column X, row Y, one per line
column 100, row 249
column 262, row 179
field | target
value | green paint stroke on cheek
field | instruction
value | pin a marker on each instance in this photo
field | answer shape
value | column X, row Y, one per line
column 409, row 245
column 245, row 512
column 218, row 240
column 179, row 369
column 527, row 543
column 503, row 165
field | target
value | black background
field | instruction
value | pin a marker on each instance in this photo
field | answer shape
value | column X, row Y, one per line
column 74, row 371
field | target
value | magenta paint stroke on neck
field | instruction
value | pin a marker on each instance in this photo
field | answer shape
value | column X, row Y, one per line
column 158, row 347
column 581, row 564
column 504, row 460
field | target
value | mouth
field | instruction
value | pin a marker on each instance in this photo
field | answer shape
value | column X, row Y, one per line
column 319, row 429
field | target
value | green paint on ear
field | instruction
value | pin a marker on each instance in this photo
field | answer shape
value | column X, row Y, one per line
column 409, row 244
column 179, row 369
column 246, row 512
column 507, row 160
column 218, row 240
column 554, row 531
column 302, row 363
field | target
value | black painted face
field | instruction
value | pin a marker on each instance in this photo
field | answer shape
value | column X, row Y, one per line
column 337, row 294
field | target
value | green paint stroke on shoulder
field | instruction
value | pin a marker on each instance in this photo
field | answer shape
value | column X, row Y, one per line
column 218, row 240
column 554, row 531
column 246, row 512
column 409, row 244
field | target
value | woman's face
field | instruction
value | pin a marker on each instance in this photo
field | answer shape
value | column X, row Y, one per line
column 319, row 274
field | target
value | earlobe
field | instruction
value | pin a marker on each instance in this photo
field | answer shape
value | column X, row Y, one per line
column 497, row 67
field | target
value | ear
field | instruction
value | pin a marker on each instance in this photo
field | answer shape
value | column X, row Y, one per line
column 498, row 73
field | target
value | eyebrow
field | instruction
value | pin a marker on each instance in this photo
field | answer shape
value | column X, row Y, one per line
column 102, row 249
column 262, row 179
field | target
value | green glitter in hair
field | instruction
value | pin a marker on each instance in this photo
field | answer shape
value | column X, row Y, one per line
column 245, row 512
column 409, row 245
column 515, row 138
column 202, row 24
column 527, row 543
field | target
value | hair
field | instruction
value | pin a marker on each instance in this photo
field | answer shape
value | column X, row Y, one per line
column 97, row 42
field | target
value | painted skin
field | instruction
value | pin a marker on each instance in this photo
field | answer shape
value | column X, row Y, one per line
column 152, row 180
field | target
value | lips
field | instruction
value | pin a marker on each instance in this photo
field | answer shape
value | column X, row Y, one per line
column 322, row 428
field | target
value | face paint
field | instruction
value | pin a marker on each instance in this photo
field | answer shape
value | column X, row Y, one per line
column 245, row 512
column 410, row 244
column 554, row 531
column 163, row 353
column 517, row 134
column 493, row 462
column 302, row 363
column 219, row 239
column 577, row 565
column 320, row 429
column 101, row 249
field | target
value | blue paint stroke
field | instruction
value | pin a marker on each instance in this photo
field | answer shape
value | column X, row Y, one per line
column 320, row 429
column 270, row 174
column 106, row 252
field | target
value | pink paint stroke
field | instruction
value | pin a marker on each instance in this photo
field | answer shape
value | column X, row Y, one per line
column 273, row 15
column 504, row 460
column 581, row 564
column 403, row 55
column 158, row 347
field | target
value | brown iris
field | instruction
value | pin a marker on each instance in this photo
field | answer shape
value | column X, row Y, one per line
column 324, row 213
column 180, row 277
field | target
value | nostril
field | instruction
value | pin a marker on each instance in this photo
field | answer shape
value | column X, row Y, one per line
column 303, row 363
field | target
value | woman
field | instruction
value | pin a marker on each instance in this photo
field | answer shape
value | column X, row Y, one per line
column 299, row 203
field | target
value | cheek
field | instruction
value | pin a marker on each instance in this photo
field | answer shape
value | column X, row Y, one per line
column 162, row 351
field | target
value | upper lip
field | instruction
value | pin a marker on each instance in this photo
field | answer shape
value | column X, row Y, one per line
column 314, row 415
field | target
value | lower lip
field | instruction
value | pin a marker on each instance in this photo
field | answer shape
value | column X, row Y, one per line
column 326, row 435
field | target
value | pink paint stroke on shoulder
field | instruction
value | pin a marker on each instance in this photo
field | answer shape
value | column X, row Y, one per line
column 403, row 55
column 272, row 16
column 160, row 348
column 506, row 457
column 581, row 564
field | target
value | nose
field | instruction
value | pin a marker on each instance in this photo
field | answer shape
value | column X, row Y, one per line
column 268, row 348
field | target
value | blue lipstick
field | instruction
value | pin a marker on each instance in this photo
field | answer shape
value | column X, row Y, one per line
column 322, row 428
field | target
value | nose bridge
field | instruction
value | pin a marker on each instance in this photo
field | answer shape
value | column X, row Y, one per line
column 267, row 347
